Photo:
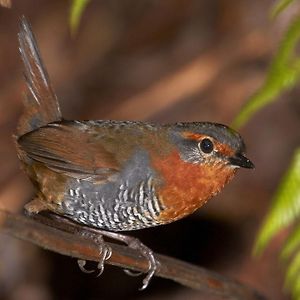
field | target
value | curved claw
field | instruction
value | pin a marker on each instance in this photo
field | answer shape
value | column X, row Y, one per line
column 148, row 254
column 132, row 273
column 150, row 274
column 105, row 254
column 100, row 270
column 81, row 263
column 104, row 251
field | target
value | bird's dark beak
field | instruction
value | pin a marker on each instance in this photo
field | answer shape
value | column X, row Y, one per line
column 241, row 161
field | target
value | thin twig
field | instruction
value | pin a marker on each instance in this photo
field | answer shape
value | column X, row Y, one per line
column 48, row 234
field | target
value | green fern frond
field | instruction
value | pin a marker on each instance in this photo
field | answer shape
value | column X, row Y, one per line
column 292, row 277
column 279, row 7
column 293, row 273
column 296, row 289
column 284, row 72
column 286, row 206
column 292, row 244
column 77, row 8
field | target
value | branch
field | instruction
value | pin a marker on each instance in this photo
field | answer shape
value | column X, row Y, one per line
column 62, row 238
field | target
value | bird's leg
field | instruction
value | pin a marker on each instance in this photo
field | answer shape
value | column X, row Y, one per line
column 135, row 244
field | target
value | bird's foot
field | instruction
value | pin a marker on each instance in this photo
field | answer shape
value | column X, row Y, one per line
column 136, row 244
column 104, row 251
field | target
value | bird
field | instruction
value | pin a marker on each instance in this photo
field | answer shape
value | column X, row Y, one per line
column 117, row 176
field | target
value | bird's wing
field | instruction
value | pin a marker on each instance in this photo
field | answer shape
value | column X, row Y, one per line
column 69, row 149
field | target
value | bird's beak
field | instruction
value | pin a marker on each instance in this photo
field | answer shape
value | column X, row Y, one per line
column 240, row 160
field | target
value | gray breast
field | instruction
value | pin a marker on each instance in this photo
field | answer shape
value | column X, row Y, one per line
column 128, row 201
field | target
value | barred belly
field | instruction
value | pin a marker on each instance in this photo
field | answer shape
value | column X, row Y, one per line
column 114, row 206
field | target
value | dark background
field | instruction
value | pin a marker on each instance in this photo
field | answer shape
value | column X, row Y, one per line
column 164, row 61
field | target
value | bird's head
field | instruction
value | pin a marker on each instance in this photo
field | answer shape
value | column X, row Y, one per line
column 210, row 144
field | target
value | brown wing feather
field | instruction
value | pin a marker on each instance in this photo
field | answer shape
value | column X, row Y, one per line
column 68, row 149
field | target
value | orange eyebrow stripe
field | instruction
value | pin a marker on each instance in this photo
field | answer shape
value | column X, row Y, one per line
column 192, row 135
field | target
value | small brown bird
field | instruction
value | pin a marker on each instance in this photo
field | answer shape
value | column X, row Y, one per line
column 118, row 175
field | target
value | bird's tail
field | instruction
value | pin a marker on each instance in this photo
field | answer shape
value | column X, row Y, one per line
column 40, row 105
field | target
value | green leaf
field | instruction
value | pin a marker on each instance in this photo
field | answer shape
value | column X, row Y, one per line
column 286, row 206
column 296, row 289
column 77, row 8
column 292, row 244
column 279, row 7
column 284, row 72
column 292, row 274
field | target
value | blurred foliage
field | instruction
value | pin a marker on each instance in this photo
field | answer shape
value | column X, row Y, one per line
column 284, row 73
column 76, row 11
column 285, row 210
column 5, row 3
column 279, row 7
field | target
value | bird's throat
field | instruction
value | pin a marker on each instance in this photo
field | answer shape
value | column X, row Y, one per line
column 186, row 186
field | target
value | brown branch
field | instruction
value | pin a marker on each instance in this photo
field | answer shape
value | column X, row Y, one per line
column 61, row 238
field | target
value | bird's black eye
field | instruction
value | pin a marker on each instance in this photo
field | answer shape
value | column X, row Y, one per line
column 206, row 146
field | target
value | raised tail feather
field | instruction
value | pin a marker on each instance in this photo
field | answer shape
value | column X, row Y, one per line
column 41, row 105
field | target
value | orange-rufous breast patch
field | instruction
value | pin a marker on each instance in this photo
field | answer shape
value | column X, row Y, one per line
column 187, row 186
